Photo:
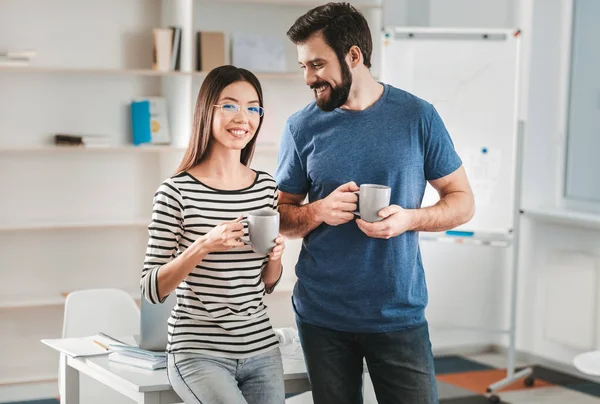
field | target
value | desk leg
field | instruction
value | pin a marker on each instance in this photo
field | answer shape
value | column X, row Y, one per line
column 69, row 379
column 150, row 398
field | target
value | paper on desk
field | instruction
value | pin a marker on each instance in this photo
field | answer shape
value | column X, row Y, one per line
column 82, row 346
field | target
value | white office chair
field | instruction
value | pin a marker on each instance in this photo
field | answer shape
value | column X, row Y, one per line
column 88, row 312
column 112, row 311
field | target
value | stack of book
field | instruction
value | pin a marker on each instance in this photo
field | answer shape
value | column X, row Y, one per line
column 63, row 139
column 16, row 58
column 137, row 357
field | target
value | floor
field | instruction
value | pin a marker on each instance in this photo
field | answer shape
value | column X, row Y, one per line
column 463, row 380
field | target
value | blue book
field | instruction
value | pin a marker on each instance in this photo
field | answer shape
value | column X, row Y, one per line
column 140, row 122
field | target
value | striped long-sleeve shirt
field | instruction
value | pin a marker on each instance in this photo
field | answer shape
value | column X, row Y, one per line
column 219, row 309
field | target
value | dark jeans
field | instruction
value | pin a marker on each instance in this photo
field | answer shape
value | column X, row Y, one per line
column 400, row 365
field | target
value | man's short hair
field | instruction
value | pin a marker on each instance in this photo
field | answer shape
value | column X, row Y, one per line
column 341, row 25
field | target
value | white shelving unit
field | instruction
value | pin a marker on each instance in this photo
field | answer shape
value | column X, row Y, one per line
column 56, row 234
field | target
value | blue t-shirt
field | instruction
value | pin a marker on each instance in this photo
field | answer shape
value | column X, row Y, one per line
column 346, row 280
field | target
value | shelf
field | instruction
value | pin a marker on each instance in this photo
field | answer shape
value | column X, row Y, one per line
column 112, row 149
column 75, row 70
column 20, row 302
column 301, row 3
column 77, row 149
column 134, row 72
column 75, row 225
column 565, row 217
column 50, row 378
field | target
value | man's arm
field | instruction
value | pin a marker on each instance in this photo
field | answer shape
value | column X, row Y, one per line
column 297, row 220
column 455, row 207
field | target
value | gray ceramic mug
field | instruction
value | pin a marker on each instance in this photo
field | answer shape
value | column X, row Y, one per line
column 263, row 229
column 371, row 199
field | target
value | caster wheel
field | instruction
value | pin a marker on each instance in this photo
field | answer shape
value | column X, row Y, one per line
column 494, row 399
column 529, row 381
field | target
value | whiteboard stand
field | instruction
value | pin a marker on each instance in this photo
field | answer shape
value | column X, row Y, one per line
column 471, row 77
column 511, row 375
column 501, row 241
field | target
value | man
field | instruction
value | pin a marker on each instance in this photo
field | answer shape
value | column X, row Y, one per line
column 361, row 290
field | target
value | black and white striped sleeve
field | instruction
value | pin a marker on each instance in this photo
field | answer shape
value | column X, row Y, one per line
column 275, row 197
column 275, row 200
column 165, row 231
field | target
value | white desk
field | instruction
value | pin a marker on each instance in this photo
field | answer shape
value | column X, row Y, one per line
column 145, row 386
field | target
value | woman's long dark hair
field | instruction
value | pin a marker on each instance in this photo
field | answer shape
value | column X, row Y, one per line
column 208, row 96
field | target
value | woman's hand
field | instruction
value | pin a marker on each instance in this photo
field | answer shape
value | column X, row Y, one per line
column 224, row 236
column 278, row 249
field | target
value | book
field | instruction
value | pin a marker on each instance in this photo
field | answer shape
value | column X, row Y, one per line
column 258, row 52
column 13, row 61
column 64, row 139
column 176, row 49
column 162, row 48
column 24, row 54
column 124, row 358
column 210, row 50
column 137, row 352
column 16, row 58
column 149, row 120
column 80, row 346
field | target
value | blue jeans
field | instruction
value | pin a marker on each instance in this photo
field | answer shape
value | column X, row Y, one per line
column 400, row 365
column 204, row 379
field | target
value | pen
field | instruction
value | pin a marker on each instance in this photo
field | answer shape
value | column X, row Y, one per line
column 101, row 345
column 112, row 338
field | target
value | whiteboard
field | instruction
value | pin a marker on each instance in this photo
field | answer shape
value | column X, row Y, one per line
column 471, row 77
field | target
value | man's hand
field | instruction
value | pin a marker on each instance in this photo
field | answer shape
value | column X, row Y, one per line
column 337, row 207
column 396, row 221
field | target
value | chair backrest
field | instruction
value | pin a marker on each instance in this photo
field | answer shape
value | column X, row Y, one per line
column 90, row 311
column 112, row 311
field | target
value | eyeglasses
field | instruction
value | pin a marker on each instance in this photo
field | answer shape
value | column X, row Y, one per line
column 253, row 110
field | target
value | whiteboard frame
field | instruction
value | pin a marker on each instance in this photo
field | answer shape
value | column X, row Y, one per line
column 512, row 373
column 517, row 145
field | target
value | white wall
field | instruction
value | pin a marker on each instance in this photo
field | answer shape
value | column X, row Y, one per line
column 450, row 13
column 467, row 285
column 553, row 322
column 560, row 263
column 58, row 186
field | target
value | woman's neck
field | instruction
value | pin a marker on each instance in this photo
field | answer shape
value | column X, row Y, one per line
column 221, row 168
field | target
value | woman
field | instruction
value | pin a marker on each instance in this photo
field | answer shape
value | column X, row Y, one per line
column 221, row 346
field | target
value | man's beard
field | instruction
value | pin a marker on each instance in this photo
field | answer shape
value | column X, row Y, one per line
column 337, row 95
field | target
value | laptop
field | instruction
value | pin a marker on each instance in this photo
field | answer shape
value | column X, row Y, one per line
column 153, row 323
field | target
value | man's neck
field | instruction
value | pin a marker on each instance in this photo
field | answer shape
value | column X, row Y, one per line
column 365, row 92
